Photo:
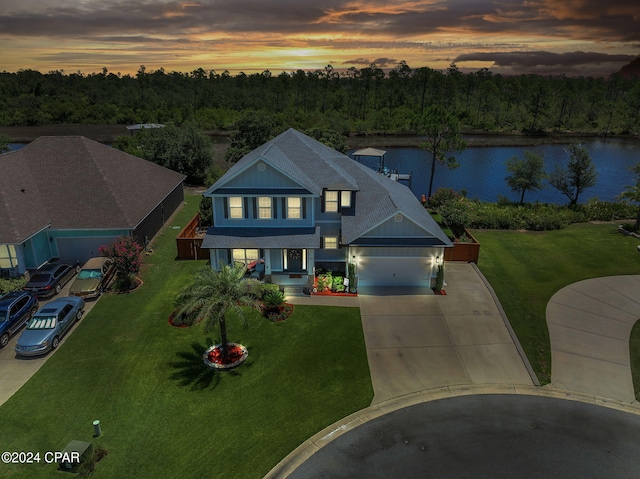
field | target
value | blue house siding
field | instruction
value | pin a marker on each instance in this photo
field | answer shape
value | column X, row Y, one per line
column 250, row 217
column 37, row 250
column 261, row 175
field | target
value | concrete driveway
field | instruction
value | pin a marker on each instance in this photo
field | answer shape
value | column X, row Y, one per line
column 14, row 371
column 416, row 340
column 590, row 325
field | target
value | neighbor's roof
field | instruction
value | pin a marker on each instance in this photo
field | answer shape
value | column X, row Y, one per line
column 316, row 167
column 71, row 182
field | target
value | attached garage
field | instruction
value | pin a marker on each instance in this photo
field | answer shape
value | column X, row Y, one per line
column 394, row 271
column 81, row 249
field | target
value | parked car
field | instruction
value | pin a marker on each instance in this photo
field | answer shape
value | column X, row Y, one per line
column 16, row 309
column 49, row 325
column 93, row 278
column 49, row 279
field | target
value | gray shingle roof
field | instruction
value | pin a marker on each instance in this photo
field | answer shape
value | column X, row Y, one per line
column 72, row 182
column 315, row 167
column 262, row 238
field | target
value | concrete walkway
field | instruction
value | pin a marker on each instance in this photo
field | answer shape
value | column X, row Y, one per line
column 589, row 325
column 417, row 341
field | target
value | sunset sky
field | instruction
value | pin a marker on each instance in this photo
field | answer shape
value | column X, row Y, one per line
column 574, row 37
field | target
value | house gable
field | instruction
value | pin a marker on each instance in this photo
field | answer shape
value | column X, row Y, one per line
column 398, row 225
column 260, row 174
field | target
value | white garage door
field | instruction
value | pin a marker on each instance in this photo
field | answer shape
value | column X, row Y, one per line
column 81, row 249
column 387, row 271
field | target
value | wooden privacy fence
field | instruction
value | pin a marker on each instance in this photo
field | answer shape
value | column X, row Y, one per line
column 468, row 251
column 189, row 241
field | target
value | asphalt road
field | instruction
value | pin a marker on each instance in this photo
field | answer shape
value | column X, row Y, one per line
column 486, row 436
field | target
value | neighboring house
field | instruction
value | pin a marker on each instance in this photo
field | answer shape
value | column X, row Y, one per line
column 63, row 197
column 300, row 205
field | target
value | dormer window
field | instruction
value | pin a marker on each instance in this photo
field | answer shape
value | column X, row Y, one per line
column 345, row 199
column 335, row 201
column 331, row 201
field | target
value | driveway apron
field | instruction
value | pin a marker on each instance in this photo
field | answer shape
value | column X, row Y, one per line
column 417, row 340
column 590, row 325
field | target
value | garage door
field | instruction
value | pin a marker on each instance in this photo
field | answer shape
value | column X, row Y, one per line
column 81, row 249
column 387, row 271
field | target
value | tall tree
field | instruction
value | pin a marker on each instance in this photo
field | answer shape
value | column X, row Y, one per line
column 252, row 130
column 4, row 143
column 577, row 176
column 526, row 174
column 631, row 193
column 213, row 296
column 443, row 136
column 186, row 150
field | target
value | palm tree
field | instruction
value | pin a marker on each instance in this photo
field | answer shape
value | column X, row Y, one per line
column 212, row 295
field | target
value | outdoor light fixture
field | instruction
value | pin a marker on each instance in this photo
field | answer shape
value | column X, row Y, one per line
column 438, row 260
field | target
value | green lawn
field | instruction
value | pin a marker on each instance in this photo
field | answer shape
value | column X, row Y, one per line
column 163, row 414
column 527, row 268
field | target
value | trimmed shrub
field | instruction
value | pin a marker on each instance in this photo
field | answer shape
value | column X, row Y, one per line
column 442, row 196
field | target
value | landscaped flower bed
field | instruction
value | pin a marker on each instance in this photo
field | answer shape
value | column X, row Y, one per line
column 214, row 359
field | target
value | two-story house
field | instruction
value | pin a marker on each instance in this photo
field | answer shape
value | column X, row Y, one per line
column 299, row 205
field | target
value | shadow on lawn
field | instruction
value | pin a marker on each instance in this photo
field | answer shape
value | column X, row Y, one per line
column 191, row 371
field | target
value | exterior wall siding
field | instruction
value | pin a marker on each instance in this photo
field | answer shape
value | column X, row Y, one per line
column 269, row 177
column 150, row 226
column 250, row 218
column 37, row 250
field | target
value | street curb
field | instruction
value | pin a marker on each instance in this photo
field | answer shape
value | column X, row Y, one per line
column 303, row 452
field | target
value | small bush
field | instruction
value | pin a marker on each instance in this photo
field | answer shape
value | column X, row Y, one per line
column 273, row 299
column 442, row 196
column 14, row 284
column 267, row 288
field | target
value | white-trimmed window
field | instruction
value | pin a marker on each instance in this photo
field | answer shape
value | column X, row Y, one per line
column 8, row 257
column 331, row 201
column 236, row 210
column 244, row 256
column 294, row 208
column 345, row 199
column 265, row 208
column 330, row 242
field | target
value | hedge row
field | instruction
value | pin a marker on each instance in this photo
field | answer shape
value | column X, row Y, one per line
column 460, row 211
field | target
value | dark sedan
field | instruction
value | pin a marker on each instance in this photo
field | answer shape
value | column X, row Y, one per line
column 16, row 309
column 50, row 278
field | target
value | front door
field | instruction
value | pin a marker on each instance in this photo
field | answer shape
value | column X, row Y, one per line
column 294, row 260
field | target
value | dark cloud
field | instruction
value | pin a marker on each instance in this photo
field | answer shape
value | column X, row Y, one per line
column 370, row 28
column 571, row 63
column 616, row 20
column 382, row 62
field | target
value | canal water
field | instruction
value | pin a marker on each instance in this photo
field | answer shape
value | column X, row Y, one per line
column 482, row 170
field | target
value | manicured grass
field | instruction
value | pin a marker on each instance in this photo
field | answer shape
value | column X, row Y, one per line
column 634, row 353
column 527, row 268
column 163, row 414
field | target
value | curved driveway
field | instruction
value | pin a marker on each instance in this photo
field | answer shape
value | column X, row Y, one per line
column 590, row 324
